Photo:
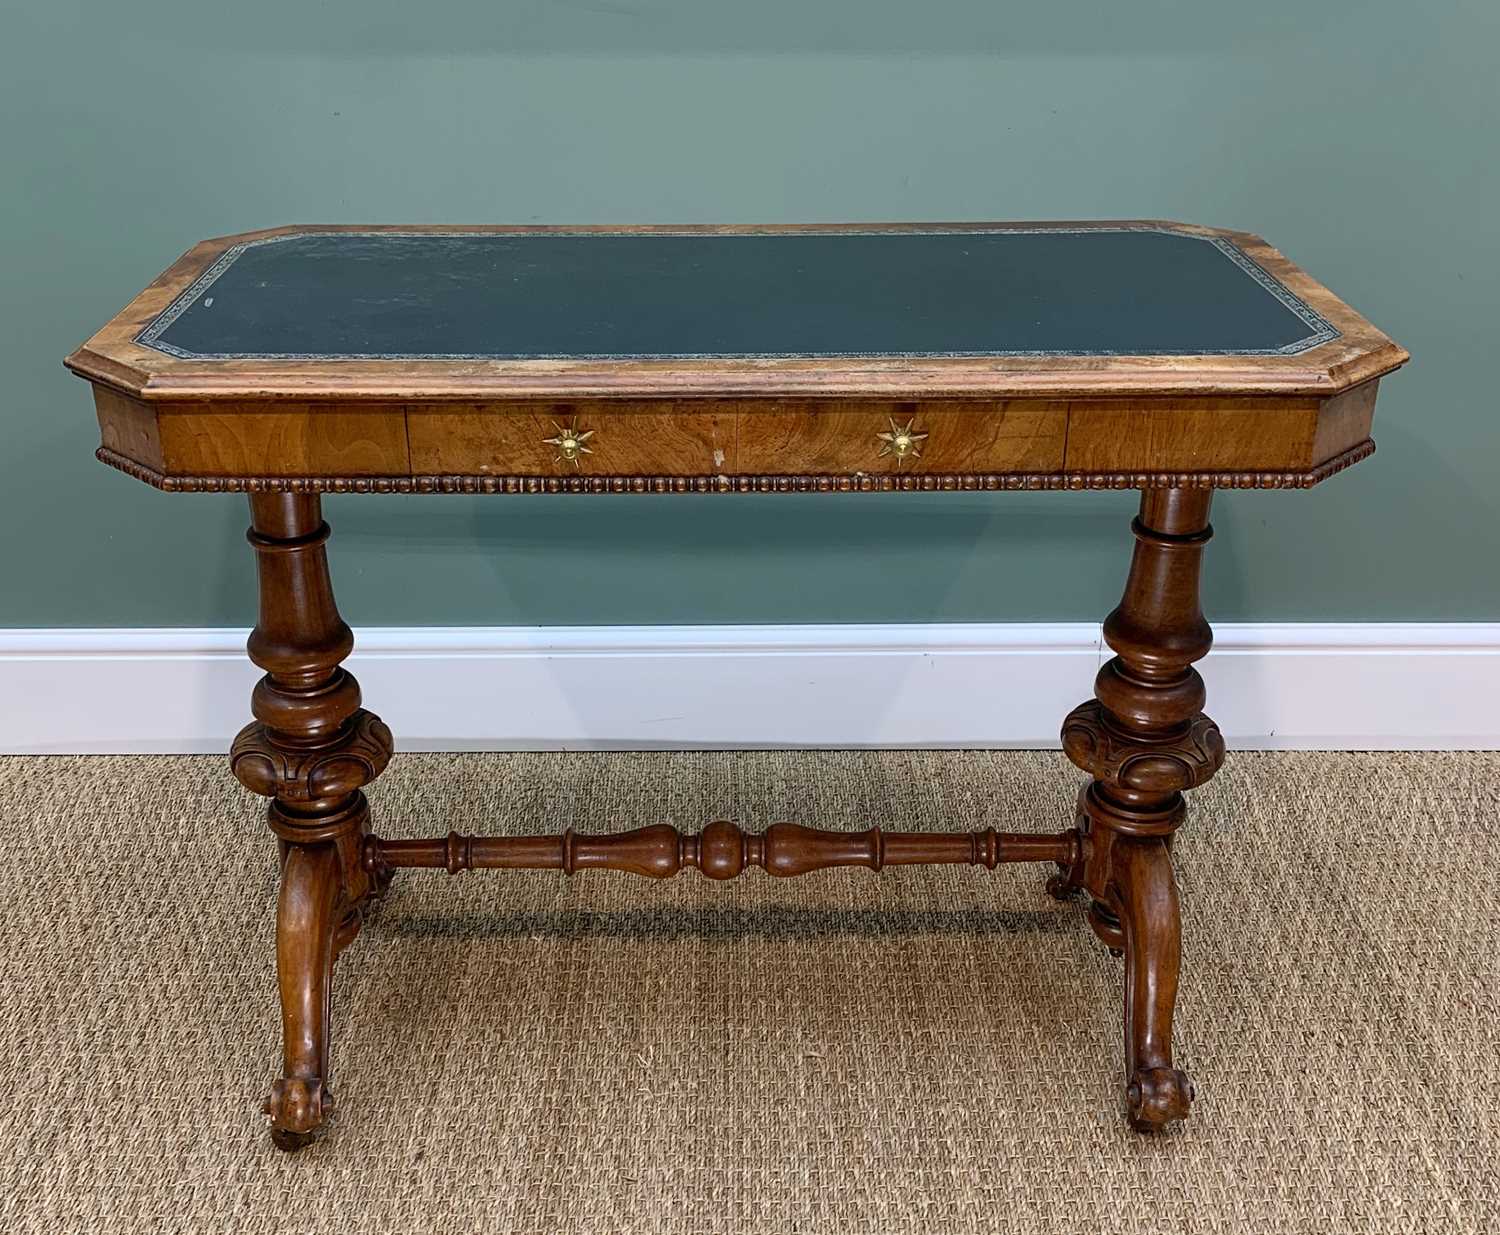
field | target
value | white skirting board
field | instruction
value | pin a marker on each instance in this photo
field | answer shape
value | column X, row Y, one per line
column 1325, row 686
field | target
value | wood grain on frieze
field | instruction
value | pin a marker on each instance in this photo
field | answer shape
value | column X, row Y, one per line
column 909, row 437
column 559, row 439
column 1187, row 435
column 128, row 427
column 223, row 439
column 1344, row 421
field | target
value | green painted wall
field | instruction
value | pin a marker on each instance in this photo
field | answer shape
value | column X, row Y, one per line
column 1357, row 135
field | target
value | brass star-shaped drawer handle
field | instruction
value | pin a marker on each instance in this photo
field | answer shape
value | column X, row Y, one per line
column 902, row 441
column 570, row 442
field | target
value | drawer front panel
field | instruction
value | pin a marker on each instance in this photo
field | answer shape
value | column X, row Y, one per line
column 832, row 439
column 1191, row 435
column 331, row 440
column 707, row 439
column 639, row 439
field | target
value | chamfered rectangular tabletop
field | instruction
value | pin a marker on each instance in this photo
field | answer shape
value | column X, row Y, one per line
column 1053, row 353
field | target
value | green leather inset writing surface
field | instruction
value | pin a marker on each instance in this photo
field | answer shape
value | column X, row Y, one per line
column 572, row 295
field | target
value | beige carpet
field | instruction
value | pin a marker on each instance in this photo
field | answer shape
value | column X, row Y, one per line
column 924, row 1050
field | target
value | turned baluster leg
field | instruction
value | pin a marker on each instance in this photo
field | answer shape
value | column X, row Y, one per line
column 1144, row 739
column 310, row 750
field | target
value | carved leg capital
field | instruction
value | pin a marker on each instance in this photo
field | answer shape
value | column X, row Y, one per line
column 1183, row 757
column 352, row 757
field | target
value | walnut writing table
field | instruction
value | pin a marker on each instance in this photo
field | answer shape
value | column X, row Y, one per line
column 1155, row 356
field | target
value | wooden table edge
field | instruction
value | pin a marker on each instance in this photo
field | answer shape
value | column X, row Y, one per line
column 915, row 482
column 468, row 382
